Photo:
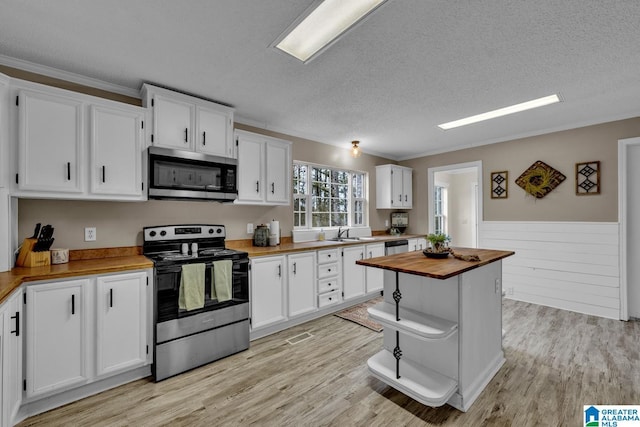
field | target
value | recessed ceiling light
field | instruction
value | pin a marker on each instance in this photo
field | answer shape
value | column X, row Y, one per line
column 322, row 24
column 540, row 102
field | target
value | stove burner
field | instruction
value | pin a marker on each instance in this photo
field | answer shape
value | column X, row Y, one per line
column 217, row 251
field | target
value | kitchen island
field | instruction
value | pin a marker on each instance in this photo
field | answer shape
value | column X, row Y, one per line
column 442, row 322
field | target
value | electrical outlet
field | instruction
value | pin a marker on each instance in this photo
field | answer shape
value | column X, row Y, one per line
column 386, row 223
column 249, row 228
column 510, row 291
column 89, row 234
column 498, row 285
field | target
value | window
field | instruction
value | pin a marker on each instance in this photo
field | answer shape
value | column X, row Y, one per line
column 328, row 197
column 440, row 209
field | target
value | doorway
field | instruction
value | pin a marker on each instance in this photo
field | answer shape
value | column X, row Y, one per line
column 455, row 202
column 628, row 214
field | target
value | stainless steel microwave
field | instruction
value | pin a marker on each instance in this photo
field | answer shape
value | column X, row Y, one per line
column 180, row 174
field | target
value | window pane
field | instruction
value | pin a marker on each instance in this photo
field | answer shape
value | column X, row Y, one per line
column 320, row 219
column 320, row 205
column 339, row 205
column 339, row 219
column 340, row 177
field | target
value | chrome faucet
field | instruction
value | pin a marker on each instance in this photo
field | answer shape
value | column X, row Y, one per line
column 340, row 231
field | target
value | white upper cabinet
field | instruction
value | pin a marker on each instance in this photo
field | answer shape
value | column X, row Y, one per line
column 394, row 187
column 189, row 123
column 50, row 142
column 264, row 169
column 116, row 147
column 76, row 146
column 215, row 132
column 4, row 132
column 173, row 123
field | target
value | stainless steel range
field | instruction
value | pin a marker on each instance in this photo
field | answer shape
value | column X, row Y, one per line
column 186, row 337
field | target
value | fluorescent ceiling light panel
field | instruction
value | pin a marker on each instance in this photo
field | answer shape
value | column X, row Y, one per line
column 324, row 25
column 540, row 102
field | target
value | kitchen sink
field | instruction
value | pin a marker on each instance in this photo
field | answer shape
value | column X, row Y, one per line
column 345, row 239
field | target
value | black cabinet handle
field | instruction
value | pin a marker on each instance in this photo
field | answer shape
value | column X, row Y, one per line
column 204, row 138
column 104, row 173
column 257, row 186
column 329, row 270
column 370, row 254
column 186, row 135
column 328, row 255
column 400, row 198
column 68, row 171
column 405, row 198
column 17, row 317
column 73, row 304
column 279, row 270
column 295, row 270
column 111, row 297
column 273, row 188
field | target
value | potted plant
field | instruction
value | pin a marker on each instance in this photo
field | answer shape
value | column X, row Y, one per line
column 439, row 244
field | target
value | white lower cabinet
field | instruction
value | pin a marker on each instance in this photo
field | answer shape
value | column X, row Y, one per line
column 301, row 283
column 374, row 277
column 12, row 335
column 121, row 308
column 57, row 336
column 267, row 291
column 417, row 244
column 329, row 277
column 352, row 274
column 79, row 331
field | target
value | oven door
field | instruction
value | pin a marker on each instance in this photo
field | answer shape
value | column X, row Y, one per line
column 167, row 287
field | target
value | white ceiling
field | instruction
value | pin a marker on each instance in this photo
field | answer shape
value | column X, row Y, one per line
column 412, row 65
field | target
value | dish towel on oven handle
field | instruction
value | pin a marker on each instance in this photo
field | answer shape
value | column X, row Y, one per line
column 191, row 293
column 222, row 279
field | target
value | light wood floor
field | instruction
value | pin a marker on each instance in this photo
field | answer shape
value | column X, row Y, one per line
column 557, row 361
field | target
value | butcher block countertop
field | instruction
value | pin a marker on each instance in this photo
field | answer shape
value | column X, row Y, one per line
column 417, row 263
column 81, row 264
column 287, row 246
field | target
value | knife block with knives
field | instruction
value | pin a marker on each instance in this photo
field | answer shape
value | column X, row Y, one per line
column 35, row 250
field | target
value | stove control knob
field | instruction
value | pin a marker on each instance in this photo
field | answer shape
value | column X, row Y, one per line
column 219, row 231
column 211, row 231
column 152, row 233
column 163, row 233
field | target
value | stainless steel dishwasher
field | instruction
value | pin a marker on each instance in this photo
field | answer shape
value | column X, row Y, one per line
column 396, row 247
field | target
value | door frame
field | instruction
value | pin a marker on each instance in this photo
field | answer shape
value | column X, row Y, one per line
column 431, row 182
column 623, row 191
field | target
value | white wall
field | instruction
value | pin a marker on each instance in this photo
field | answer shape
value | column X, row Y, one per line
column 567, row 265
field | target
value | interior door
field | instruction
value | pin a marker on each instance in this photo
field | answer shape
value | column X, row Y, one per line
column 630, row 204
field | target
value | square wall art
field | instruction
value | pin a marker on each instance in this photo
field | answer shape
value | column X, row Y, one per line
column 499, row 185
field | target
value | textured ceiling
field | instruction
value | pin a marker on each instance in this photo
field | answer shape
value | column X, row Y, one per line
column 412, row 65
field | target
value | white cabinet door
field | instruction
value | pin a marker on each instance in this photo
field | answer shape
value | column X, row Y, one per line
column 121, row 320
column 214, row 135
column 267, row 291
column 278, row 167
column 352, row 274
column 5, row 164
column 397, row 191
column 301, row 283
column 173, row 123
column 407, row 188
column 374, row 276
column 56, row 336
column 250, row 169
column 11, row 355
column 50, row 142
column 116, row 141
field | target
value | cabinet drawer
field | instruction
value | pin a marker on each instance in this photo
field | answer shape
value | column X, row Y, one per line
column 327, row 270
column 328, row 299
column 329, row 255
column 328, row 285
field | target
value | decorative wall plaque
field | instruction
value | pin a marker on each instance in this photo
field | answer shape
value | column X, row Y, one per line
column 540, row 179
column 588, row 178
column 499, row 185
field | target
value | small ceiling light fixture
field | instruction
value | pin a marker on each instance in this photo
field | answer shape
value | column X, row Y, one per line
column 322, row 24
column 540, row 102
column 355, row 149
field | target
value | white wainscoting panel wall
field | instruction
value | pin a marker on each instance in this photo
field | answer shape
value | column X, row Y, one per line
column 568, row 265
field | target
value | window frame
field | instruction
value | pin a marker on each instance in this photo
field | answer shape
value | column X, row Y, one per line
column 308, row 197
column 443, row 199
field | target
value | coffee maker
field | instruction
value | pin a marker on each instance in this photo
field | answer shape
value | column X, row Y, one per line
column 399, row 222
